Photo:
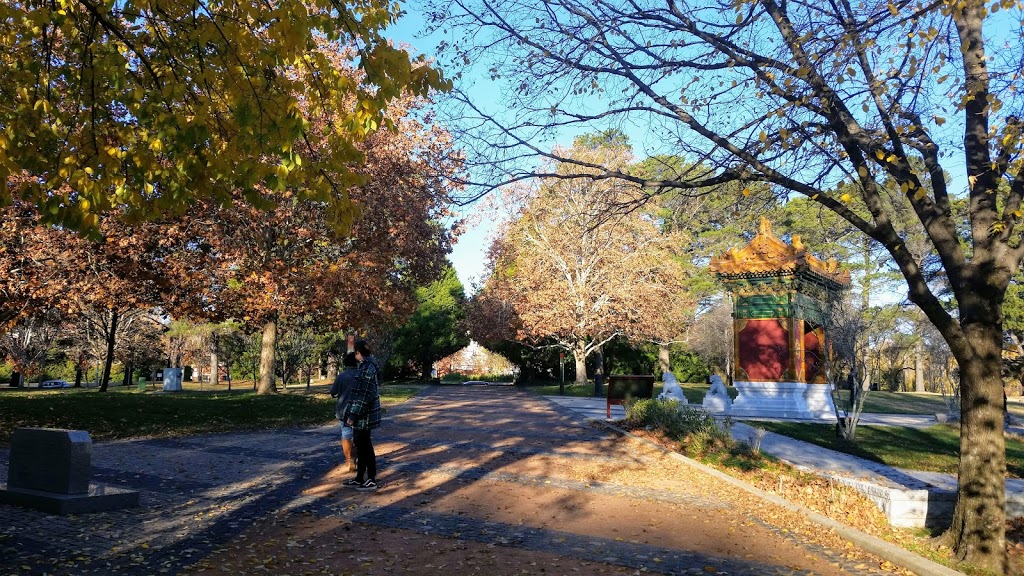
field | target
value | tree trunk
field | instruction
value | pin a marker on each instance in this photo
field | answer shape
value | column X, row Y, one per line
column 332, row 367
column 728, row 342
column 599, row 376
column 214, row 367
column 128, row 369
column 78, row 376
column 918, row 369
column 109, row 360
column 865, row 294
column 427, row 369
column 265, row 385
column 664, row 358
column 978, row 531
column 580, row 354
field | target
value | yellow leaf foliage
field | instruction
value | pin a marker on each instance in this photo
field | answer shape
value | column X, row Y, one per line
column 196, row 99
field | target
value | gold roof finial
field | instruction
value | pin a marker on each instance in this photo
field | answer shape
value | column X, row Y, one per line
column 768, row 255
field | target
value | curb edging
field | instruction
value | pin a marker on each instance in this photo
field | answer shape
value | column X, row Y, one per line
column 886, row 550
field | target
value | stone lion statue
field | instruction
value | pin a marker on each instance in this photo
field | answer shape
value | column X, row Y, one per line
column 717, row 386
column 670, row 389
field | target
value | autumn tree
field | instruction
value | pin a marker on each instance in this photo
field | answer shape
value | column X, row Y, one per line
column 711, row 338
column 889, row 96
column 136, row 109
column 291, row 261
column 106, row 327
column 573, row 269
column 295, row 349
column 33, row 280
column 705, row 225
column 106, row 281
column 139, row 348
column 28, row 344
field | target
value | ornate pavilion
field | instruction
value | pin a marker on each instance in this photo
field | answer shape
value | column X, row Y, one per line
column 781, row 294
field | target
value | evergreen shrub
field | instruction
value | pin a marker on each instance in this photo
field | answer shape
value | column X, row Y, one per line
column 696, row 430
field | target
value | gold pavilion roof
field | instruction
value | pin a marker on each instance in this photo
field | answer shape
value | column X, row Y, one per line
column 767, row 255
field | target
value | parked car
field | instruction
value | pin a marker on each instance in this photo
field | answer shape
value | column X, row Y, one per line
column 54, row 384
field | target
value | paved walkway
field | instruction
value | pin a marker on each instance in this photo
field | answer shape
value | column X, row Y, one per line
column 596, row 408
column 479, row 478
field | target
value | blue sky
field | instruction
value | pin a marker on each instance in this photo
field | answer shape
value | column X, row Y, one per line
column 469, row 253
column 468, row 256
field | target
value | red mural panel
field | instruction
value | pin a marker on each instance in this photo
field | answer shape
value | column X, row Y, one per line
column 763, row 350
column 812, row 355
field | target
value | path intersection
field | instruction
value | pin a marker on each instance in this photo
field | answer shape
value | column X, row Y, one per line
column 476, row 480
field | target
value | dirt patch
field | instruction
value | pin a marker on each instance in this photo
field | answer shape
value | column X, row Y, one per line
column 299, row 544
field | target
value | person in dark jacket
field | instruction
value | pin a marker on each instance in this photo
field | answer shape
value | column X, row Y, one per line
column 342, row 385
column 342, row 390
column 363, row 415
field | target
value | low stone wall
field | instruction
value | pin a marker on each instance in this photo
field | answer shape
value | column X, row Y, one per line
column 908, row 508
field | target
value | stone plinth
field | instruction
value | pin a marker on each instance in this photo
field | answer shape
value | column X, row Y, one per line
column 49, row 470
column 98, row 498
column 797, row 400
column 50, row 460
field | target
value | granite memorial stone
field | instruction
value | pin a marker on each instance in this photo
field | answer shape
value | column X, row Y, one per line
column 50, row 460
column 49, row 470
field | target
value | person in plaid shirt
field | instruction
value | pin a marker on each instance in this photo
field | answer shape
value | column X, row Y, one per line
column 363, row 415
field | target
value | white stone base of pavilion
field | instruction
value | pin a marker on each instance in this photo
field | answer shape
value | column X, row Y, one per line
column 794, row 400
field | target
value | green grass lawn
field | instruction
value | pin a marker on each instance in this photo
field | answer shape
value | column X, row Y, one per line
column 934, row 449
column 128, row 413
column 903, row 403
column 570, row 390
column 915, row 403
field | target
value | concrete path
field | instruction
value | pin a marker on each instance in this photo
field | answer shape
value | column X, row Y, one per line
column 595, row 408
column 473, row 479
column 592, row 408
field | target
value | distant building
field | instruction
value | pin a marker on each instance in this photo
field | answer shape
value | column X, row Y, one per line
column 475, row 360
